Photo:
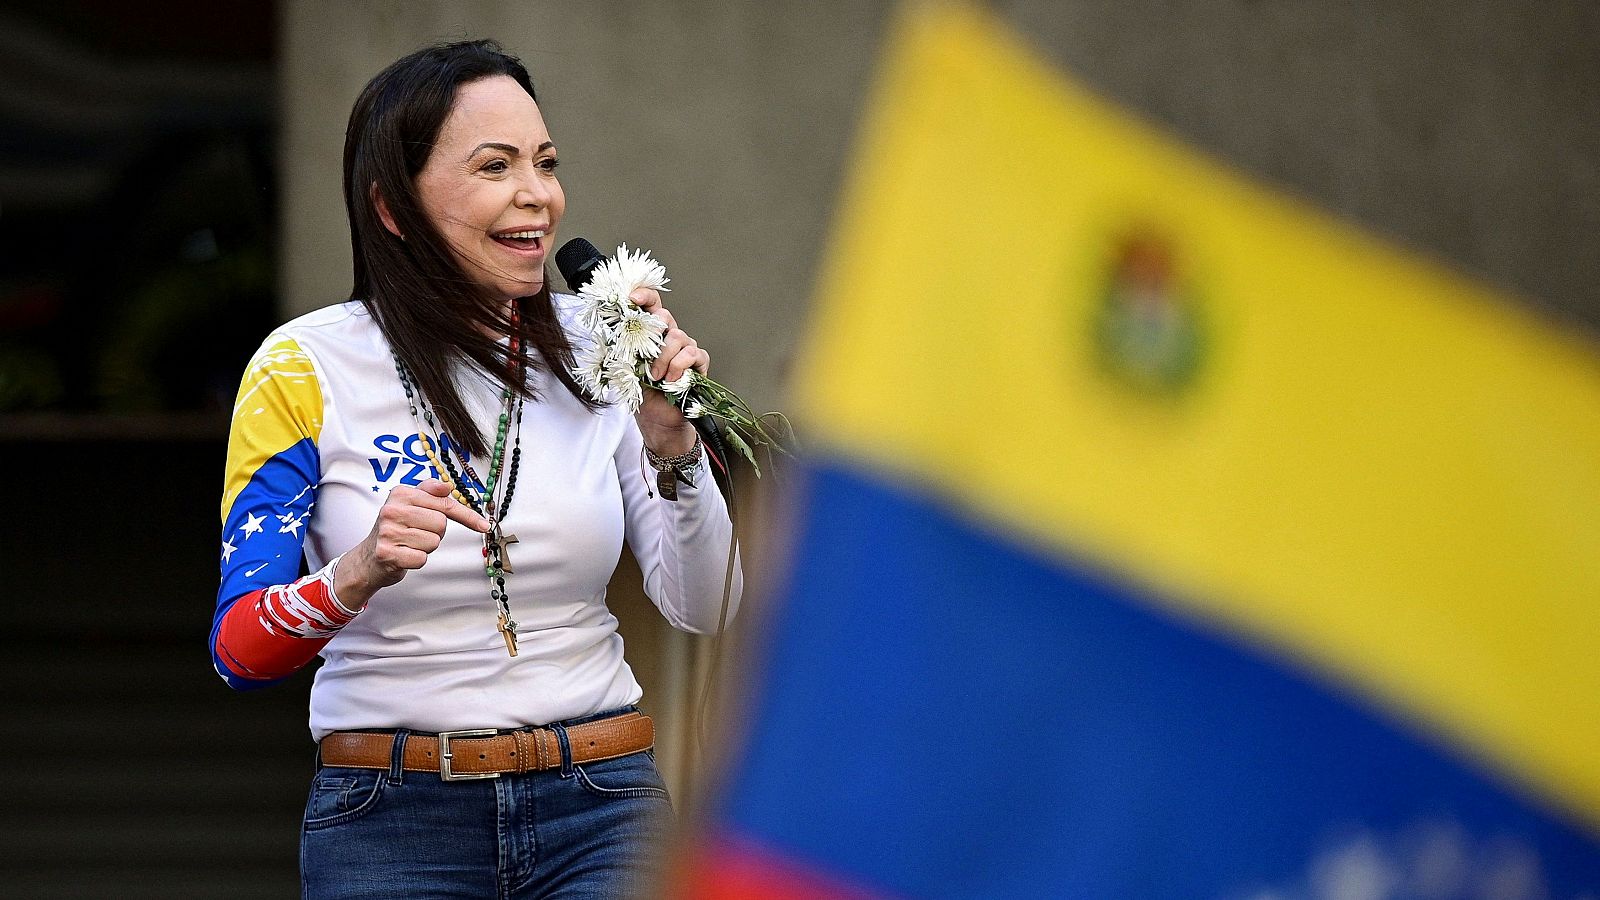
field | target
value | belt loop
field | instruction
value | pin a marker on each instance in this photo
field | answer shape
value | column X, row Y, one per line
column 522, row 744
column 397, row 757
column 566, row 749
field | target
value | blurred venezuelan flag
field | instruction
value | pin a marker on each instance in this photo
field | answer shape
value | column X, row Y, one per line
column 1162, row 536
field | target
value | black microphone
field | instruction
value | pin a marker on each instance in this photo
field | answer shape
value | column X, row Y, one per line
column 577, row 260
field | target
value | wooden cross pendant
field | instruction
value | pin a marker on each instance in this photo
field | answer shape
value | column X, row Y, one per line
column 508, row 630
column 504, row 542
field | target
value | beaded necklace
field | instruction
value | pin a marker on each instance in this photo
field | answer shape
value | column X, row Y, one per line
column 465, row 491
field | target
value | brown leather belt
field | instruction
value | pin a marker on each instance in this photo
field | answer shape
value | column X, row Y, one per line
column 486, row 753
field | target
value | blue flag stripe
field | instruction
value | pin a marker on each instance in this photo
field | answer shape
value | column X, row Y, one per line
column 937, row 699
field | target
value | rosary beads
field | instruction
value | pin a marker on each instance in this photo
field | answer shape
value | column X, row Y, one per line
column 476, row 493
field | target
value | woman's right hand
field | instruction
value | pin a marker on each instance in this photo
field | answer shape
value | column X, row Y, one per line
column 409, row 527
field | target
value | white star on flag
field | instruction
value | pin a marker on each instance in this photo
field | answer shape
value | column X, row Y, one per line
column 227, row 550
column 291, row 524
column 252, row 524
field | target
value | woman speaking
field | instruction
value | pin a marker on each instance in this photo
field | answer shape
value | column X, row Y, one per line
column 461, row 504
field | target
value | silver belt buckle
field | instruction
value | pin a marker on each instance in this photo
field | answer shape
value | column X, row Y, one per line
column 445, row 771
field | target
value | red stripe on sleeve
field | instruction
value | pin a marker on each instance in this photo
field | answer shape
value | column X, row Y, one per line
column 272, row 633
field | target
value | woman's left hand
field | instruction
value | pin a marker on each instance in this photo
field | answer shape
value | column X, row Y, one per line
column 666, row 431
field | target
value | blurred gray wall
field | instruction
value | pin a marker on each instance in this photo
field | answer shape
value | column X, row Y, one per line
column 1463, row 129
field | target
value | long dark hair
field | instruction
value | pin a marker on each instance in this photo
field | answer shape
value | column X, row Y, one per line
column 429, row 310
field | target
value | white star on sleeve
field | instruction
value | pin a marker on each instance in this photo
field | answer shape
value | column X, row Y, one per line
column 252, row 524
column 227, row 550
column 291, row 524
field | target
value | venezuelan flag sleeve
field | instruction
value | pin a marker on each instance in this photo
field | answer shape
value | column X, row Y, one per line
column 1163, row 535
column 267, row 623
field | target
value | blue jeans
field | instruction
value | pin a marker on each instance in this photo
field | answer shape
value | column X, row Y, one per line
column 585, row 830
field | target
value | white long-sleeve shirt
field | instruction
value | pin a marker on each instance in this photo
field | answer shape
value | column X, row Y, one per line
column 322, row 431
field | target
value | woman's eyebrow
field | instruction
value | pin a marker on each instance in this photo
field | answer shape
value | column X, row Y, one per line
column 507, row 148
column 495, row 145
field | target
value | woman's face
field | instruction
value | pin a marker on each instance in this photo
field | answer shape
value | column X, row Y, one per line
column 490, row 187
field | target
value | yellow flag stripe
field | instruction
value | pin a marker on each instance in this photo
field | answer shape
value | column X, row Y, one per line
column 1379, row 468
column 279, row 404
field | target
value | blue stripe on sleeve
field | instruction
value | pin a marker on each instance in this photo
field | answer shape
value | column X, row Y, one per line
column 264, row 534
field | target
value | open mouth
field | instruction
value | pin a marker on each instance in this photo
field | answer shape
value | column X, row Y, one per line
column 521, row 240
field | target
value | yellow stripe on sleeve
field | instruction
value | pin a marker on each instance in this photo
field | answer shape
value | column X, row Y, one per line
column 279, row 404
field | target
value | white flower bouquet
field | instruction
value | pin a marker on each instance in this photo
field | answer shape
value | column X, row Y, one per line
column 615, row 367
